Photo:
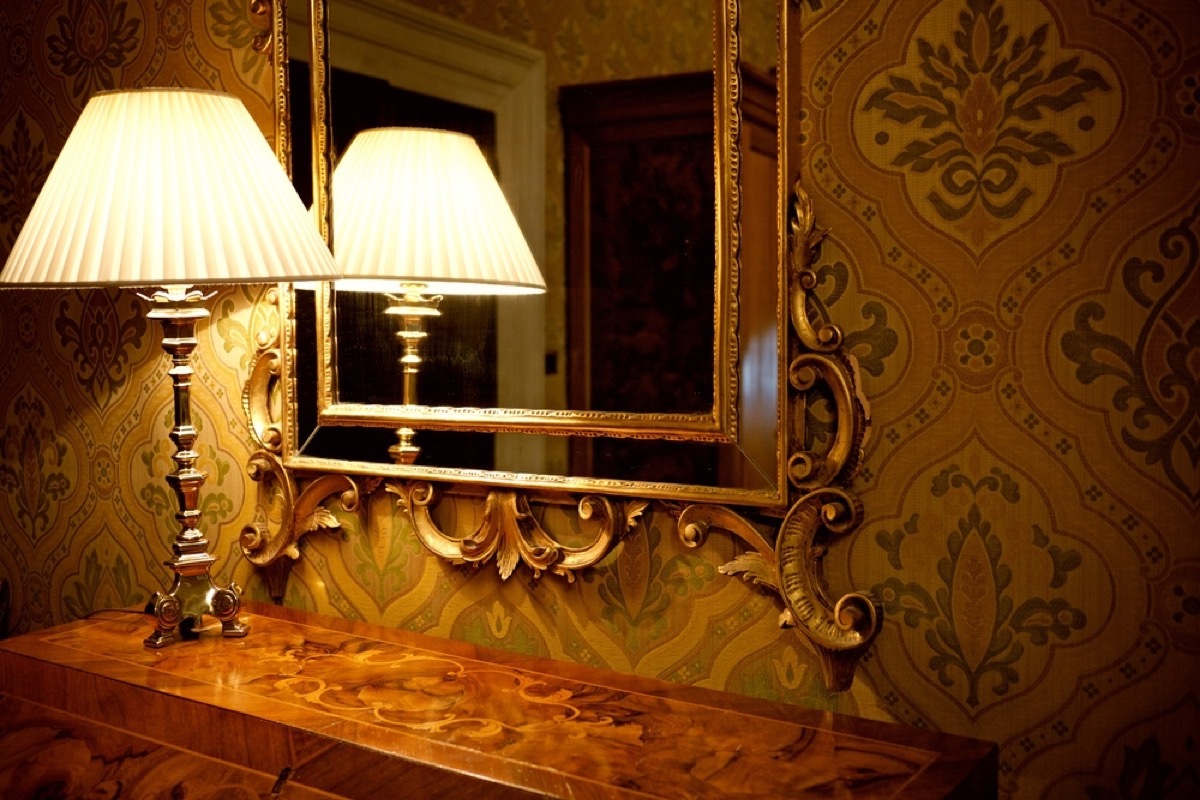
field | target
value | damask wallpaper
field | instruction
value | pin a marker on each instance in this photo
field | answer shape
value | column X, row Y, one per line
column 1012, row 192
column 1012, row 197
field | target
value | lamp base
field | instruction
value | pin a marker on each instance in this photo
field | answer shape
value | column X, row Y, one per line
column 183, row 607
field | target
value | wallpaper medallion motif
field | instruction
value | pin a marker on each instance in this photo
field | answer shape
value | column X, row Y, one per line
column 1017, row 179
column 236, row 332
column 24, row 166
column 870, row 334
column 90, row 41
column 107, row 577
column 982, row 113
column 39, row 469
column 978, row 348
column 1177, row 606
column 98, row 336
column 1185, row 97
column 972, row 630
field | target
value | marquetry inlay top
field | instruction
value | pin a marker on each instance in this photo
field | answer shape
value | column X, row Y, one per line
column 536, row 724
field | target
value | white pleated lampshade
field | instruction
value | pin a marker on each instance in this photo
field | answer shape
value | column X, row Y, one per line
column 420, row 206
column 166, row 187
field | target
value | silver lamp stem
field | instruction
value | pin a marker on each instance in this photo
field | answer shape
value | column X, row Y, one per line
column 192, row 593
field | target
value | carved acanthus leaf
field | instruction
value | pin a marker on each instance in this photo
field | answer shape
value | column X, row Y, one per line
column 752, row 567
column 804, row 238
column 321, row 519
column 510, row 533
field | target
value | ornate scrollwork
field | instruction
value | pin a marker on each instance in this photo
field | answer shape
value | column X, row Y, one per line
column 841, row 630
column 839, row 373
column 286, row 515
column 784, row 557
column 262, row 42
column 804, row 238
column 821, row 359
column 509, row 532
column 265, row 426
column 260, row 394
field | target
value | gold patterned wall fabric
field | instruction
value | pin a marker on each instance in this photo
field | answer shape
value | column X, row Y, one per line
column 1013, row 190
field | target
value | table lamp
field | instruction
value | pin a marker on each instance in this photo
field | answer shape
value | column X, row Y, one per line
column 417, row 214
column 170, row 189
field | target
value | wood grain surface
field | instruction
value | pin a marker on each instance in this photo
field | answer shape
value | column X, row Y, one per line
column 359, row 711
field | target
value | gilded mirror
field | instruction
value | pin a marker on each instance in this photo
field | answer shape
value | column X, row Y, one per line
column 783, row 438
column 721, row 442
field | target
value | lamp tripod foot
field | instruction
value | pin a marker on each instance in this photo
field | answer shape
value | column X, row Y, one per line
column 185, row 605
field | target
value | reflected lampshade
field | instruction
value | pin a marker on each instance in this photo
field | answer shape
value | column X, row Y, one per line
column 421, row 206
column 166, row 187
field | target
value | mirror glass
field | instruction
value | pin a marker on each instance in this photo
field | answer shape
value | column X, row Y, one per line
column 643, row 363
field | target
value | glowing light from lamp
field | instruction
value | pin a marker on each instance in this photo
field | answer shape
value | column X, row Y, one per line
column 421, row 206
column 158, row 187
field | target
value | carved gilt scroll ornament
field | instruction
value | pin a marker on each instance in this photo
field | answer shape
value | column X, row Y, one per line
column 840, row 631
column 509, row 533
column 285, row 512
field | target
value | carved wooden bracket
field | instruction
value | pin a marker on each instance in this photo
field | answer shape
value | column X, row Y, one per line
column 509, row 533
column 286, row 515
column 840, row 631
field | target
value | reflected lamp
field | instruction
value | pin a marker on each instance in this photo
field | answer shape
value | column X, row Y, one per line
column 417, row 214
column 172, row 190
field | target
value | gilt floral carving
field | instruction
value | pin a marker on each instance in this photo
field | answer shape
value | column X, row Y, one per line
column 509, row 533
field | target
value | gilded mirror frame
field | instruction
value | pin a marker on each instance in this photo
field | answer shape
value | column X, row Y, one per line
column 784, row 532
column 759, row 445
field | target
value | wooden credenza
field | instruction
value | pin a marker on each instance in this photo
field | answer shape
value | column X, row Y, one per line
column 311, row 707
